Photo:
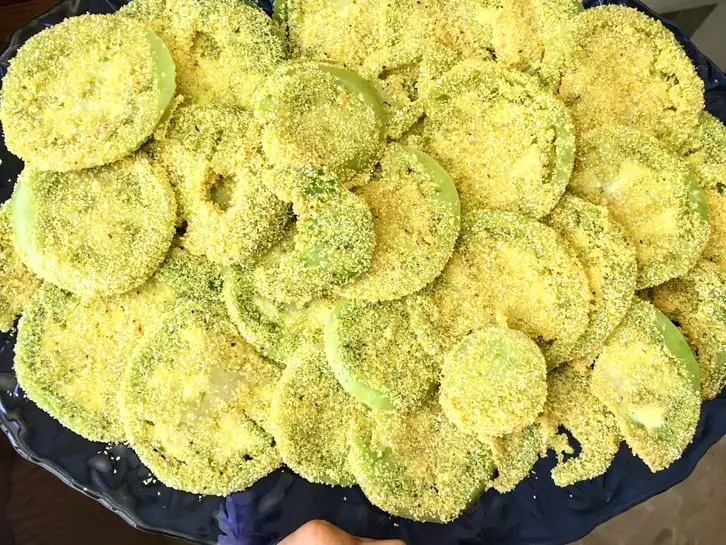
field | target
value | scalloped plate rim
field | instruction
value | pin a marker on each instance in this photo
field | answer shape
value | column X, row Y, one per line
column 19, row 445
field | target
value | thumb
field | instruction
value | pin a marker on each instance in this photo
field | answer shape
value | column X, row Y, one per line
column 321, row 532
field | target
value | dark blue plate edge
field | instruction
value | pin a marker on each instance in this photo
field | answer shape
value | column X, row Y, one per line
column 607, row 514
column 66, row 8
column 25, row 452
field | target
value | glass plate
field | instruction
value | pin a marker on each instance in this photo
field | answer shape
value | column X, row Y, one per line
column 535, row 513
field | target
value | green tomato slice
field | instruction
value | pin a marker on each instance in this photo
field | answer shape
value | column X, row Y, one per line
column 191, row 276
column 71, row 353
column 493, row 383
column 101, row 84
column 417, row 464
column 100, row 231
column 708, row 158
column 17, row 283
column 514, row 456
column 697, row 302
column 311, row 418
column 571, row 404
column 275, row 329
column 330, row 244
column 512, row 267
column 321, row 116
column 195, row 402
column 608, row 257
column 604, row 50
column 223, row 50
column 506, row 142
column 376, row 356
column 524, row 29
column 652, row 192
column 230, row 214
column 649, row 379
column 416, row 210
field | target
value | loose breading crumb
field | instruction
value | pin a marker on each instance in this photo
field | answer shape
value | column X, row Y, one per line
column 17, row 283
column 697, row 302
column 615, row 64
column 571, row 404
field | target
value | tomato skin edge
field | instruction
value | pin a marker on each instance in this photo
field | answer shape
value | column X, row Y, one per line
column 675, row 342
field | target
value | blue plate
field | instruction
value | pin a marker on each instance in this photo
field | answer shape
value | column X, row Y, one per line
column 535, row 513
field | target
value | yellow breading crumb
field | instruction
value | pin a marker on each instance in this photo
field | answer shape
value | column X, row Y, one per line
column 230, row 214
column 507, row 143
column 651, row 192
column 415, row 211
column 331, row 242
column 453, row 306
column 277, row 330
column 614, row 64
column 223, row 49
column 524, row 29
column 85, row 92
column 353, row 33
column 193, row 400
column 514, row 456
column 17, row 283
column 708, row 158
column 376, row 356
column 311, row 417
column 71, row 353
column 101, row 231
column 493, row 383
column 697, row 302
column 605, row 251
column 570, row 403
column 530, row 276
column 649, row 385
column 418, row 465
column 191, row 276
column 341, row 32
column 318, row 115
